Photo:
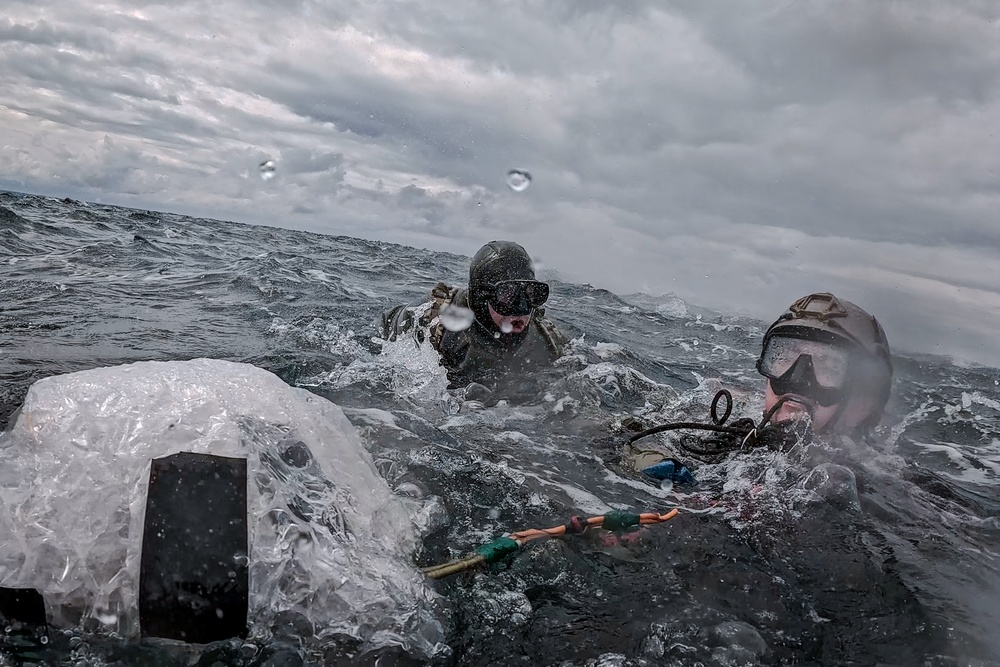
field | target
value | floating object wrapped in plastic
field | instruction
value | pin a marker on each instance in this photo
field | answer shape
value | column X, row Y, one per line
column 328, row 546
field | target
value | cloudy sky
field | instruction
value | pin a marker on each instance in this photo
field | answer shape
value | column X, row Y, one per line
column 738, row 158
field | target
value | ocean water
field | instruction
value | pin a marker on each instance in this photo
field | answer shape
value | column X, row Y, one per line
column 883, row 553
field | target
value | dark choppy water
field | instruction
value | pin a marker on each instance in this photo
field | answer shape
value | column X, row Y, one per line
column 905, row 572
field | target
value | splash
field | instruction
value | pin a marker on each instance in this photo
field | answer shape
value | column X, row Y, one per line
column 330, row 543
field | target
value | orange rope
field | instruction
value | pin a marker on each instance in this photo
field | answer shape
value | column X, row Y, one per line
column 652, row 517
column 525, row 536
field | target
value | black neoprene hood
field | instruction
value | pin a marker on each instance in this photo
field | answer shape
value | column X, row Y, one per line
column 497, row 261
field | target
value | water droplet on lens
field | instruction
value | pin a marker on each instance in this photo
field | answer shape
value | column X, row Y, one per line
column 267, row 169
column 506, row 327
column 518, row 180
column 456, row 318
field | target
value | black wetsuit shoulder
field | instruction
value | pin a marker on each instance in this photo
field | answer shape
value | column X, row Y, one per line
column 475, row 354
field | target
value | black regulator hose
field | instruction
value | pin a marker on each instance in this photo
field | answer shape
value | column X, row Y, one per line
column 744, row 428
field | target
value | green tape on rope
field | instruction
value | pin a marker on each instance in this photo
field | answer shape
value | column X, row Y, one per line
column 498, row 549
column 620, row 520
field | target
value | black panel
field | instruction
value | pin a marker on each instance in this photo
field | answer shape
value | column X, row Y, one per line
column 193, row 578
column 22, row 605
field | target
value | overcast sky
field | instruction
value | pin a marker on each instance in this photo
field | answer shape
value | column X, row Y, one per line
column 738, row 155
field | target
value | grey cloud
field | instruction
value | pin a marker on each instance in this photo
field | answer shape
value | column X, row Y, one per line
column 44, row 34
column 157, row 125
column 305, row 161
column 736, row 158
column 78, row 77
column 448, row 130
column 526, row 38
column 812, row 52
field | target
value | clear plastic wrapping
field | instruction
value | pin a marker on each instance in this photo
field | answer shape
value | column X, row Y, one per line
column 330, row 545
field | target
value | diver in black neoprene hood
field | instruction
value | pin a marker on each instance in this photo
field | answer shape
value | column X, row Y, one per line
column 509, row 335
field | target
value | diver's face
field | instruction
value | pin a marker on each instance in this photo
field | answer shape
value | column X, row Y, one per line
column 822, row 379
column 825, row 418
column 811, row 376
column 511, row 303
column 798, row 407
column 509, row 323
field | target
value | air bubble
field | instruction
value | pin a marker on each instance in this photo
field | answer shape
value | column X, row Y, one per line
column 410, row 490
column 456, row 318
column 506, row 327
column 518, row 180
column 267, row 169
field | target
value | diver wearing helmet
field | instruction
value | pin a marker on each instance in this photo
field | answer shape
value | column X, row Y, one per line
column 827, row 358
column 508, row 334
column 828, row 368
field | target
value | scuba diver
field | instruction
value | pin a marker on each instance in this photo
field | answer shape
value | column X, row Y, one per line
column 829, row 358
column 492, row 332
column 828, row 371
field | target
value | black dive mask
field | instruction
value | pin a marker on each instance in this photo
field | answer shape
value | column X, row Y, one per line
column 517, row 297
column 800, row 379
column 816, row 369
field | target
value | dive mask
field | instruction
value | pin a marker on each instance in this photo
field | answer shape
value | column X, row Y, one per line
column 810, row 368
column 518, row 297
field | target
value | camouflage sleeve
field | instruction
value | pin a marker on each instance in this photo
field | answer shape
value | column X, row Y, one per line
column 400, row 320
column 554, row 339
